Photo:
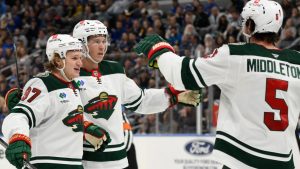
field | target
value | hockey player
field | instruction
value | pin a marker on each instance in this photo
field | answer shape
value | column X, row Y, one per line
column 104, row 88
column 46, row 126
column 260, row 89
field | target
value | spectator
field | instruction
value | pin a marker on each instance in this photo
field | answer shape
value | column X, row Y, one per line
column 41, row 40
column 201, row 19
column 3, row 85
column 155, row 9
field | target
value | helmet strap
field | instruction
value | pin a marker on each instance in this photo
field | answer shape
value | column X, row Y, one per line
column 90, row 57
column 61, row 71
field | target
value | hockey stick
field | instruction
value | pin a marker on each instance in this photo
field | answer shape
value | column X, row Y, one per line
column 16, row 61
column 25, row 163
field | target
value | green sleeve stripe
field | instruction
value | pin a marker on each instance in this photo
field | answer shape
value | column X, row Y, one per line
column 252, row 148
column 249, row 159
column 108, row 147
column 134, row 108
column 50, row 165
column 128, row 105
column 187, row 77
column 54, row 158
column 26, row 109
column 198, row 74
column 104, row 156
column 128, row 139
column 20, row 110
column 29, row 110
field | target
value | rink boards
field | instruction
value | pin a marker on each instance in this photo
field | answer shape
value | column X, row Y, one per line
column 165, row 152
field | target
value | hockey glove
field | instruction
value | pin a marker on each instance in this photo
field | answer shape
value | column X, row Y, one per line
column 188, row 97
column 96, row 136
column 12, row 98
column 18, row 150
column 153, row 46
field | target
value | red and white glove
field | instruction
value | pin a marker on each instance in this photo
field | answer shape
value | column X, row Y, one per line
column 187, row 97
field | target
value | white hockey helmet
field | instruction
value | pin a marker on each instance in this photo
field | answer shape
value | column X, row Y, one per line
column 86, row 28
column 61, row 44
column 267, row 15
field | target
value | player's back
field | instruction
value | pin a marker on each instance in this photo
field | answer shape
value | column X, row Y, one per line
column 259, row 107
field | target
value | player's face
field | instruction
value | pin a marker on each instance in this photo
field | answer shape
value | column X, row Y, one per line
column 97, row 47
column 73, row 63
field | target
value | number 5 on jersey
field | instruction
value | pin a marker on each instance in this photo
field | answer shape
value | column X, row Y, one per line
column 272, row 85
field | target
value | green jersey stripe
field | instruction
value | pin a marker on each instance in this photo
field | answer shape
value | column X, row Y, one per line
column 52, row 82
column 30, row 110
column 252, row 148
column 249, row 159
column 107, row 67
column 252, row 49
column 20, row 110
column 198, row 74
column 54, row 158
column 51, row 166
column 187, row 77
column 134, row 108
column 128, row 138
column 109, row 146
column 135, row 101
column 104, row 156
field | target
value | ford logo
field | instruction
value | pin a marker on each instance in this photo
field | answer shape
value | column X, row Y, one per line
column 199, row 147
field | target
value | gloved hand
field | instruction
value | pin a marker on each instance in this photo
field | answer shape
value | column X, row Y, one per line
column 18, row 150
column 188, row 97
column 153, row 46
column 96, row 136
column 12, row 98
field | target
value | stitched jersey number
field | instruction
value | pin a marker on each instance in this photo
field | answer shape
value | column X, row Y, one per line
column 35, row 92
column 272, row 86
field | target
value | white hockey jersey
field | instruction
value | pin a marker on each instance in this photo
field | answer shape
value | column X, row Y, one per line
column 55, row 118
column 103, row 92
column 259, row 106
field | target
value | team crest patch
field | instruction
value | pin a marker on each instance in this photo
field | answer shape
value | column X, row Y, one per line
column 101, row 106
column 75, row 119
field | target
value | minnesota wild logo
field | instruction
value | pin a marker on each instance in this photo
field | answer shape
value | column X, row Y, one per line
column 101, row 106
column 75, row 119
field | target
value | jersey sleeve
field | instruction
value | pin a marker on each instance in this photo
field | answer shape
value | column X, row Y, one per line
column 193, row 74
column 15, row 123
column 34, row 102
column 146, row 101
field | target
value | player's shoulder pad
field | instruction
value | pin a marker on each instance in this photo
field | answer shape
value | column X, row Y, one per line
column 237, row 43
column 110, row 67
column 50, row 81
column 292, row 56
column 241, row 48
column 35, row 82
column 42, row 75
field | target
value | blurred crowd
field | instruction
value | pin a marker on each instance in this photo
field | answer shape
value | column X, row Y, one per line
column 194, row 29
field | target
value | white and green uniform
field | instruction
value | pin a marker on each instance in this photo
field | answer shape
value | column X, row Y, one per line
column 102, row 92
column 50, row 113
column 128, row 134
column 259, row 106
